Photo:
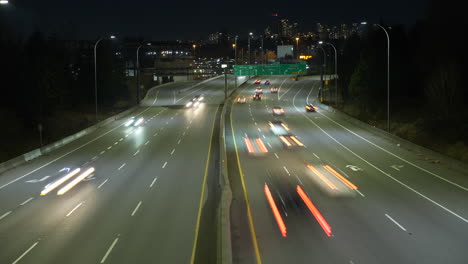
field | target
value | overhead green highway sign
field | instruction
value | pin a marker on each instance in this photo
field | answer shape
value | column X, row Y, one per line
column 270, row 69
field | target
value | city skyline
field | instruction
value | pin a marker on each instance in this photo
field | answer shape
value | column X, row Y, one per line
column 163, row 21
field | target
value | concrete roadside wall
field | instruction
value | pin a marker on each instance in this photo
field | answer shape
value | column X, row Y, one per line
column 15, row 162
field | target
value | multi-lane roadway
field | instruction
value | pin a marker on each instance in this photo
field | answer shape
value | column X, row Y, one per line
column 365, row 199
column 142, row 203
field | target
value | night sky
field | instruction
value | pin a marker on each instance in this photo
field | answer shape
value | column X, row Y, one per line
column 171, row 20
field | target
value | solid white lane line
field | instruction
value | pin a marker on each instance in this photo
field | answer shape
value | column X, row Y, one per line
column 109, row 147
column 172, row 152
column 152, row 183
column 316, row 156
column 344, row 173
column 136, row 153
column 396, row 223
column 27, row 201
column 73, row 210
column 381, row 171
column 100, row 185
column 276, row 156
column 102, row 152
column 396, row 156
column 360, row 193
column 165, row 163
column 146, row 143
column 24, row 254
column 136, row 208
column 5, row 215
column 178, row 142
column 268, row 143
column 121, row 166
column 120, row 139
column 286, row 170
column 109, row 250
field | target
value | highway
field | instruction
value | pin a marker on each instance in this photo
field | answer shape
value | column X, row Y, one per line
column 375, row 201
column 142, row 203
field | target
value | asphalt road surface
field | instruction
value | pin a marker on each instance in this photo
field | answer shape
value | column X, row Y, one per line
column 380, row 202
column 142, row 203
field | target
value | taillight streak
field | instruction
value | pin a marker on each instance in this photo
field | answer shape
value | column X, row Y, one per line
column 274, row 209
column 249, row 145
column 323, row 178
column 315, row 212
column 261, row 145
column 341, row 178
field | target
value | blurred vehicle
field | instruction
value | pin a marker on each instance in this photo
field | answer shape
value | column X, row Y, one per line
column 194, row 102
column 277, row 110
column 296, row 78
column 134, row 121
column 257, row 81
column 255, row 145
column 274, row 89
column 267, row 82
column 280, row 129
column 310, row 108
column 259, row 90
column 198, row 98
column 257, row 96
column 241, row 100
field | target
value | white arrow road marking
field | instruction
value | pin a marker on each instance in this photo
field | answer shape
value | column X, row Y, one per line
column 397, row 167
column 353, row 167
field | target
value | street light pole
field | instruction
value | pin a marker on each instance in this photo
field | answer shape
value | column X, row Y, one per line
column 336, row 71
column 138, row 71
column 235, row 51
column 95, row 75
column 95, row 79
column 250, row 35
column 388, row 76
column 297, row 47
column 388, row 73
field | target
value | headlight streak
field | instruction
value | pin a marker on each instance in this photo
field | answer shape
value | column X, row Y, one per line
column 55, row 184
column 297, row 141
column 341, row 178
column 315, row 212
column 323, row 178
column 285, row 141
column 77, row 180
column 274, row 209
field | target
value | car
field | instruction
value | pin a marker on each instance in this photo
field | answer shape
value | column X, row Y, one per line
column 257, row 96
column 257, row 81
column 194, row 102
column 310, row 108
column 259, row 90
column 267, row 82
column 277, row 110
column 280, row 129
column 198, row 98
column 255, row 145
column 241, row 100
column 274, row 89
column 134, row 122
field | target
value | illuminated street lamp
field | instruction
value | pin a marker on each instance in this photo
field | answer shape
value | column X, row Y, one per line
column 388, row 72
column 95, row 73
column 3, row 2
column 297, row 46
column 336, row 70
column 250, row 35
